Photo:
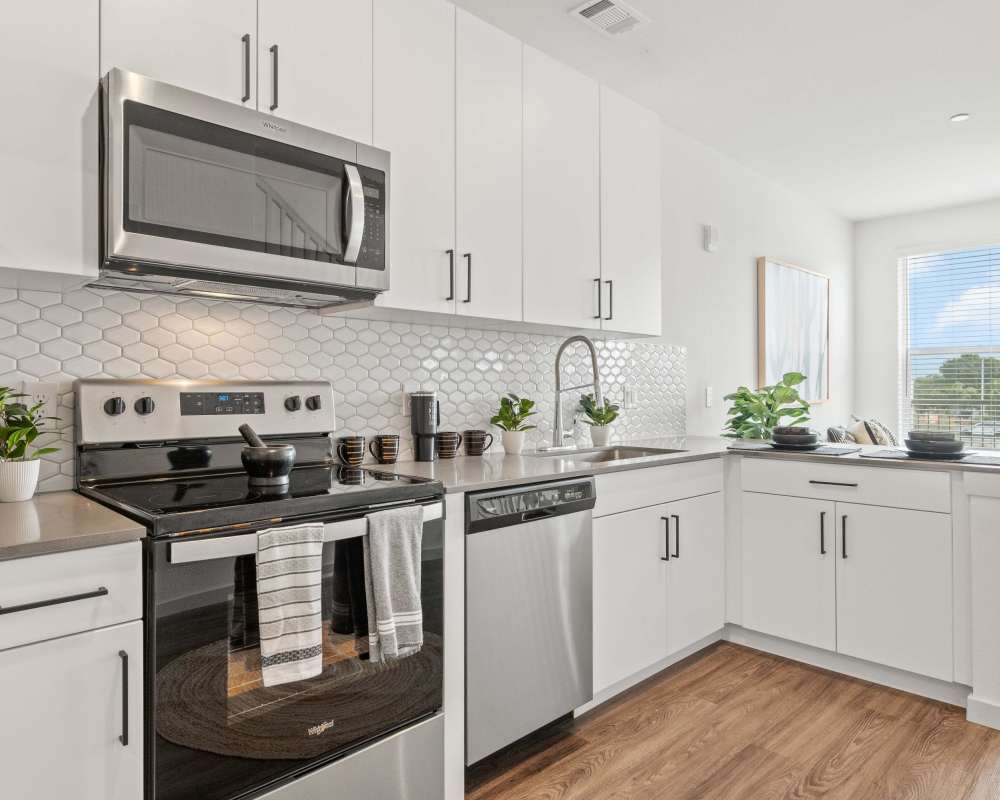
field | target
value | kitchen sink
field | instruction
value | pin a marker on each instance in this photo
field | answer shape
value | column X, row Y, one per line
column 607, row 454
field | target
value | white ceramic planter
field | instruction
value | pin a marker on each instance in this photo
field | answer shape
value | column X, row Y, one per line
column 18, row 480
column 513, row 442
column 600, row 435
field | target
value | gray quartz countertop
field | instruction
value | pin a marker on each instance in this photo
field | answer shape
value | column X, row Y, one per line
column 474, row 473
column 53, row 522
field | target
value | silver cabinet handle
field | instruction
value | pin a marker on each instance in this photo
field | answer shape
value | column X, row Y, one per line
column 843, row 536
column 611, row 300
column 246, row 67
column 666, row 525
column 600, row 298
column 822, row 533
column 354, row 214
column 677, row 536
column 274, row 77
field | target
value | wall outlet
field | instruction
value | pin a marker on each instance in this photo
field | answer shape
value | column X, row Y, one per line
column 47, row 393
column 709, row 396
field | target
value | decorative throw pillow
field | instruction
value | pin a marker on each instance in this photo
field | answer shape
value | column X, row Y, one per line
column 871, row 431
column 839, row 435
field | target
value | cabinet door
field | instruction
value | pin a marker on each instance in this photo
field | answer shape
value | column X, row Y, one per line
column 324, row 64
column 561, row 194
column 48, row 143
column 630, row 216
column 62, row 716
column 189, row 43
column 894, row 588
column 696, row 572
column 414, row 119
column 489, row 104
column 789, row 568
column 630, row 594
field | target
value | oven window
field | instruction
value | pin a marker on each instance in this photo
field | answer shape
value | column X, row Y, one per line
column 192, row 180
column 218, row 731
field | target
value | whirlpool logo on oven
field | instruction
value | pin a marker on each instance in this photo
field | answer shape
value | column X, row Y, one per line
column 323, row 727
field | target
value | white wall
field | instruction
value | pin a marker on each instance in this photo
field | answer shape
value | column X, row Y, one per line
column 710, row 299
column 878, row 246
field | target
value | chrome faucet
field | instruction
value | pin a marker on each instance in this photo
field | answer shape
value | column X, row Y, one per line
column 558, row 434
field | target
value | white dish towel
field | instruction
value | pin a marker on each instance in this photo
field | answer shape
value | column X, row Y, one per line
column 392, row 583
column 289, row 589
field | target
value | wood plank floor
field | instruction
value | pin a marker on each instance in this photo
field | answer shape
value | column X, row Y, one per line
column 732, row 722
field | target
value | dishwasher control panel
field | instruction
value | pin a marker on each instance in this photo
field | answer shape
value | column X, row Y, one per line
column 500, row 508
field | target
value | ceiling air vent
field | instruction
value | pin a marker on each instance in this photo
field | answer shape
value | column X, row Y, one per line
column 610, row 17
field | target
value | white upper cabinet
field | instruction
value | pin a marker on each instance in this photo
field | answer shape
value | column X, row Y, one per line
column 320, row 52
column 414, row 119
column 48, row 144
column 630, row 216
column 561, row 194
column 206, row 47
column 488, row 106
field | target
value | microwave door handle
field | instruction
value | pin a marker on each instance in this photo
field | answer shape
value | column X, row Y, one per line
column 354, row 214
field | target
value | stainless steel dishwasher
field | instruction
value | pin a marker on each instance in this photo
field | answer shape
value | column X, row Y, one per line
column 528, row 610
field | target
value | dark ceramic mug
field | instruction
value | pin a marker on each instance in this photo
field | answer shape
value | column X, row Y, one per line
column 385, row 448
column 477, row 442
column 351, row 450
column 448, row 443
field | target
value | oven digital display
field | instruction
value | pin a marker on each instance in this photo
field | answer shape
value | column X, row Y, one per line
column 221, row 403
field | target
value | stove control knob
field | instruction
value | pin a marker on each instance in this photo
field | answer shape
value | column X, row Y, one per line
column 293, row 403
column 114, row 406
column 145, row 405
column 314, row 403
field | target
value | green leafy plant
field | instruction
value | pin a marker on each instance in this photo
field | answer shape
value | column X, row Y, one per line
column 598, row 415
column 513, row 412
column 20, row 426
column 755, row 415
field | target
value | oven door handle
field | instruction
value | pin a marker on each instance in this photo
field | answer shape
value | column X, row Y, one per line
column 354, row 214
column 246, row 544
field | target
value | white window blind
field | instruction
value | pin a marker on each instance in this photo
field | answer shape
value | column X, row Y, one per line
column 950, row 337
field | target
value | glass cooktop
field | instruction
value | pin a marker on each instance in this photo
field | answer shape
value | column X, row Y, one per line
column 214, row 500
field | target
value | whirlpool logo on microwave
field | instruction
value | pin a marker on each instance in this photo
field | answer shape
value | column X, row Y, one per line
column 323, row 727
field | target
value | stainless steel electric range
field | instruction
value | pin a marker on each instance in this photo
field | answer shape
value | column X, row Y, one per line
column 168, row 455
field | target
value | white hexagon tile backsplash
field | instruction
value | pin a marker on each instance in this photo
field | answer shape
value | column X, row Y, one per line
column 58, row 337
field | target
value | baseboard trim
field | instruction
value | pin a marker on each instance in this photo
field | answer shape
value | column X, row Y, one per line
column 954, row 693
column 627, row 683
column 983, row 712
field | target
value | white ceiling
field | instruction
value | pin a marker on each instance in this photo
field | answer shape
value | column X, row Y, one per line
column 847, row 102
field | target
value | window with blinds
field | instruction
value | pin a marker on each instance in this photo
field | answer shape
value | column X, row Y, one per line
column 950, row 336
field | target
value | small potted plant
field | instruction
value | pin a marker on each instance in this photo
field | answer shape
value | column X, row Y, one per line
column 20, row 426
column 599, row 418
column 510, row 419
column 755, row 415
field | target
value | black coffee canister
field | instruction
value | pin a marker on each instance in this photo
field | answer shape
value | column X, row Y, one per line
column 425, row 417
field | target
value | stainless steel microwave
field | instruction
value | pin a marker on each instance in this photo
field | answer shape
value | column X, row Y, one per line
column 205, row 197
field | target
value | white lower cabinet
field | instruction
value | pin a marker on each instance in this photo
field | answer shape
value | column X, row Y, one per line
column 865, row 581
column 630, row 593
column 894, row 588
column 655, row 593
column 789, row 568
column 63, row 728
column 696, row 572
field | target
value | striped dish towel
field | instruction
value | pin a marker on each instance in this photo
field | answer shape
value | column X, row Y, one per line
column 392, row 583
column 289, row 568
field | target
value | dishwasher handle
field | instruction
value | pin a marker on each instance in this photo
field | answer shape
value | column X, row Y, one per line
column 538, row 513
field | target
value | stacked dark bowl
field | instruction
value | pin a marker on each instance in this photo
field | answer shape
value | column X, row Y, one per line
column 795, row 437
column 934, row 445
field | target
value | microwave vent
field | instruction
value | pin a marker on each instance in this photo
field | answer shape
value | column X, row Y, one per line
column 610, row 17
